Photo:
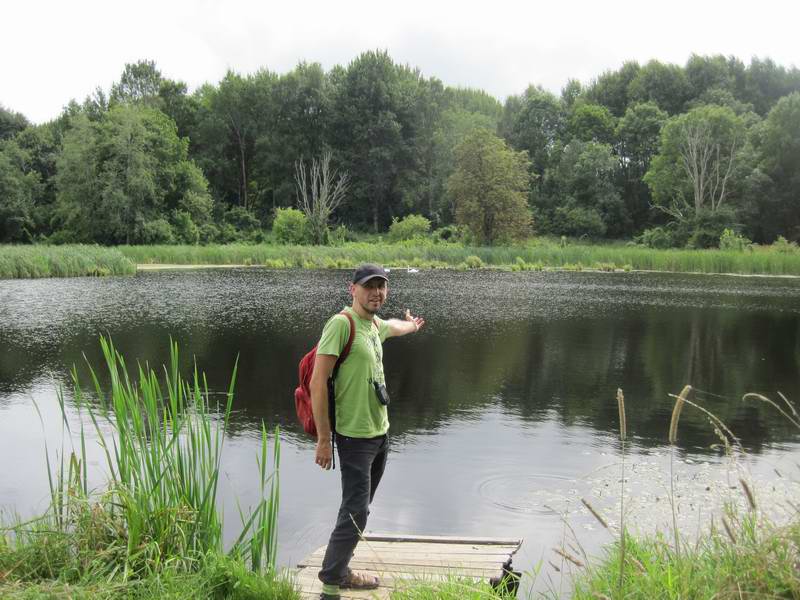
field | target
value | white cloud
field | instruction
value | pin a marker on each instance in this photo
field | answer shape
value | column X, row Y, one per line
column 54, row 51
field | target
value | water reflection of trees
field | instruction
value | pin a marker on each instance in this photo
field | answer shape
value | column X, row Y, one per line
column 567, row 369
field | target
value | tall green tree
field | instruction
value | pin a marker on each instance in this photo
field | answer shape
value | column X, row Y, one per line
column 11, row 123
column 490, row 187
column 591, row 123
column 664, row 84
column 611, row 89
column 373, row 127
column 127, row 179
column 697, row 166
column 19, row 188
column 779, row 157
column 583, row 199
column 638, row 134
column 140, row 82
column 295, row 129
column 231, row 118
column 534, row 122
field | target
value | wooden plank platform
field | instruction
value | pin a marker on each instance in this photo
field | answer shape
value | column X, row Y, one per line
column 399, row 559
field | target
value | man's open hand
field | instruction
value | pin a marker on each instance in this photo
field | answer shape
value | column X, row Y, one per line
column 417, row 321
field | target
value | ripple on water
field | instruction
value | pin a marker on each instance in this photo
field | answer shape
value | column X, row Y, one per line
column 536, row 493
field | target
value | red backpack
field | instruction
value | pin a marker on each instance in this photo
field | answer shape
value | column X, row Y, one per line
column 302, row 394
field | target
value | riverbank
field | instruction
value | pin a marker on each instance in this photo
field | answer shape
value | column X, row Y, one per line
column 537, row 255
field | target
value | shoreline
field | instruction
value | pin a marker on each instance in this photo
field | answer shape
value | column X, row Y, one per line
column 143, row 267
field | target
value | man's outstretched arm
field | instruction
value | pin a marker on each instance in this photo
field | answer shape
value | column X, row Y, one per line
column 408, row 324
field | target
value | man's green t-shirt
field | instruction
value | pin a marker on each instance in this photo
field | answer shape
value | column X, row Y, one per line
column 359, row 414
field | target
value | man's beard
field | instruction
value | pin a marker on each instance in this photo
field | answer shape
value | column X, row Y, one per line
column 368, row 310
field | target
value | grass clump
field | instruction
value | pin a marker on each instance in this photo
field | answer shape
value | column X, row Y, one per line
column 758, row 562
column 451, row 589
column 29, row 262
column 742, row 555
column 154, row 530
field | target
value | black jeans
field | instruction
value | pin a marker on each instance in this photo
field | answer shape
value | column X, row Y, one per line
column 361, row 462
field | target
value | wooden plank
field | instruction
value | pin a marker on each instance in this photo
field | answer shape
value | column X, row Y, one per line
column 377, row 555
column 425, row 548
column 399, row 560
column 440, row 539
column 308, row 578
column 308, row 582
column 486, row 570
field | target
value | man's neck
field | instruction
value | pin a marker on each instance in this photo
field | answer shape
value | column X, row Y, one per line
column 362, row 312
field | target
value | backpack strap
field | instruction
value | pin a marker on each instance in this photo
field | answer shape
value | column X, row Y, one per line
column 331, row 394
column 346, row 350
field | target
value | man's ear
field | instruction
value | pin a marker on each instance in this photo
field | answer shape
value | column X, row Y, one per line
column 351, row 288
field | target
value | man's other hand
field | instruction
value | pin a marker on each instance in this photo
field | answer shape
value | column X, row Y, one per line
column 324, row 454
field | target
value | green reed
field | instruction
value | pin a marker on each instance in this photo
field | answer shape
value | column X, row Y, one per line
column 20, row 262
column 162, row 442
column 535, row 255
column 747, row 557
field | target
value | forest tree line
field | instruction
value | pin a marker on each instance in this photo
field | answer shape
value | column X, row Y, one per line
column 669, row 155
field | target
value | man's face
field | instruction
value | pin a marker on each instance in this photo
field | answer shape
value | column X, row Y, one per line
column 371, row 294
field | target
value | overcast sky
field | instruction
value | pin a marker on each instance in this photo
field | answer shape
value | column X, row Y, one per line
column 53, row 51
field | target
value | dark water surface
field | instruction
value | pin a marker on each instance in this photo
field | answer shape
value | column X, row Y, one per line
column 503, row 409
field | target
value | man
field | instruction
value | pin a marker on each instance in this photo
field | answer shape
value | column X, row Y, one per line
column 361, row 420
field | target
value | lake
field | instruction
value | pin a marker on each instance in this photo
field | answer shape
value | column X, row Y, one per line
column 503, row 411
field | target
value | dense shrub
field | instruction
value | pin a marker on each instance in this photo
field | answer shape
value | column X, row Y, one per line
column 242, row 219
column 730, row 240
column 290, row 226
column 577, row 221
column 339, row 235
column 208, row 233
column 184, row 228
column 408, row 227
column 658, row 237
column 157, row 231
column 784, row 246
column 452, row 234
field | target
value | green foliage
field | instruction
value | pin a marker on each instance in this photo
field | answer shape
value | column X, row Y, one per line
column 587, row 200
column 26, row 262
column 242, row 220
column 473, row 262
column 489, row 188
column 452, row 234
column 730, row 240
column 290, row 226
column 157, row 231
column 408, row 227
column 760, row 562
column 577, row 221
column 707, row 228
column 550, row 254
column 450, row 589
column 779, row 153
column 696, row 168
column 665, row 85
column 156, row 527
column 120, row 178
column 591, row 123
column 113, row 168
column 783, row 246
column 534, row 122
column 660, row 238
column 20, row 186
column 11, row 123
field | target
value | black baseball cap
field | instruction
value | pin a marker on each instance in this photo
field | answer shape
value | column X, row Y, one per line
column 368, row 271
